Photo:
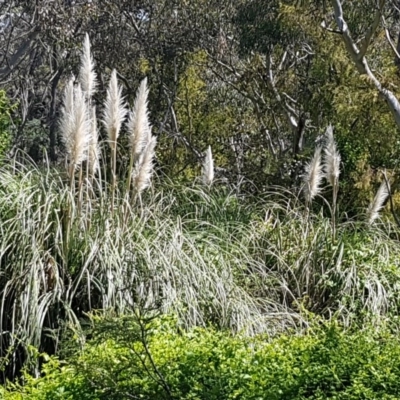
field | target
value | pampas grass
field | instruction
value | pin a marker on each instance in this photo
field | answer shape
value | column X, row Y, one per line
column 87, row 75
column 94, row 150
column 114, row 115
column 141, row 142
column 332, row 170
column 80, row 147
column 208, row 168
column 75, row 126
column 139, row 126
column 332, row 159
column 313, row 177
column 377, row 204
column 144, row 167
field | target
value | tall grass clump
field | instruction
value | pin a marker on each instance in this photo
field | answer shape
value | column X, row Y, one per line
column 351, row 276
column 64, row 253
column 55, row 267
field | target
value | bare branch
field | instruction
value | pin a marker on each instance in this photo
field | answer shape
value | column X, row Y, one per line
column 18, row 55
column 361, row 62
column 395, row 49
column 367, row 40
column 291, row 115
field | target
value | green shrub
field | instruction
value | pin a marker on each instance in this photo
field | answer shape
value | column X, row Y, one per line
column 153, row 360
column 5, row 123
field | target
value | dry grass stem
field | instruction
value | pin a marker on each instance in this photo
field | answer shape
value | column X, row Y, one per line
column 332, row 171
column 94, row 150
column 114, row 114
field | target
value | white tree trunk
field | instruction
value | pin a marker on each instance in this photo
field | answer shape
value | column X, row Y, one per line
column 358, row 54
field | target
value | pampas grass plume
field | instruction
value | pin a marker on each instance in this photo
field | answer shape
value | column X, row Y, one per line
column 208, row 168
column 87, row 76
column 114, row 110
column 75, row 127
column 313, row 176
column 378, row 202
column 332, row 159
column 67, row 114
column 138, row 125
column 144, row 167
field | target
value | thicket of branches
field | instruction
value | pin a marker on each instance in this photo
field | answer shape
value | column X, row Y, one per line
column 258, row 82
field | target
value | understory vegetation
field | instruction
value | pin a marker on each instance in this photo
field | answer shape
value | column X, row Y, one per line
column 131, row 358
column 252, row 273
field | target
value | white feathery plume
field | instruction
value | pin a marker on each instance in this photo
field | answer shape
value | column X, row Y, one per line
column 113, row 117
column 67, row 113
column 87, row 76
column 75, row 125
column 208, row 168
column 332, row 159
column 313, row 176
column 377, row 204
column 94, row 150
column 144, row 167
column 138, row 125
column 114, row 110
column 81, row 130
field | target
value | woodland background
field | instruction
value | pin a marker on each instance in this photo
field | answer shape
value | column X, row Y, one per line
column 258, row 81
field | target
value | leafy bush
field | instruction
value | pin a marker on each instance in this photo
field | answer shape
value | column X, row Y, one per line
column 5, row 123
column 152, row 360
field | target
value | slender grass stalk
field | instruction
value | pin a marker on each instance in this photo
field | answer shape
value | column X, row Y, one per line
column 332, row 171
column 378, row 202
column 94, row 150
column 114, row 114
column 88, row 81
column 208, row 168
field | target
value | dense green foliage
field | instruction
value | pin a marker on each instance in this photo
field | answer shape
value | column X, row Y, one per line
column 5, row 123
column 152, row 360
